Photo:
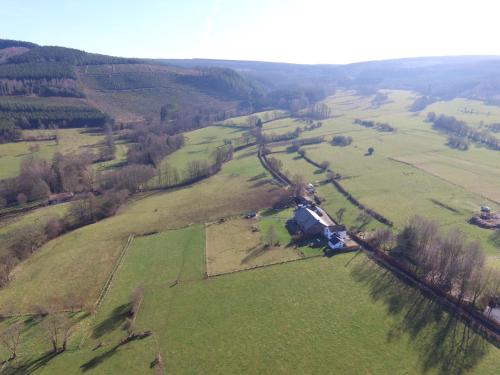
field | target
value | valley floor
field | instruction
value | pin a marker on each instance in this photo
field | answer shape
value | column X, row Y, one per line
column 311, row 314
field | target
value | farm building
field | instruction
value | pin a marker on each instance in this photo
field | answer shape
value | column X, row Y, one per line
column 314, row 221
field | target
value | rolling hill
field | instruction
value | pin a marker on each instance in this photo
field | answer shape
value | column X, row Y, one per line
column 127, row 90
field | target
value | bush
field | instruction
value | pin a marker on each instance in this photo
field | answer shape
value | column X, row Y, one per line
column 54, row 227
column 341, row 140
column 325, row 165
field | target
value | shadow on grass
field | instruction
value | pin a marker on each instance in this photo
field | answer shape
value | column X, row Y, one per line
column 495, row 238
column 254, row 253
column 444, row 344
column 245, row 155
column 97, row 360
column 30, row 366
column 260, row 183
column 272, row 211
column 115, row 320
column 259, row 176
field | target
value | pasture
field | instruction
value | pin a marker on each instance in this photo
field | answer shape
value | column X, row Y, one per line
column 38, row 217
column 238, row 244
column 412, row 170
column 81, row 260
column 312, row 316
column 70, row 141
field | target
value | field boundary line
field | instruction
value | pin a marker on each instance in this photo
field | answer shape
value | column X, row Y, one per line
column 472, row 318
column 443, row 179
column 205, row 262
column 281, row 178
column 377, row 216
column 107, row 286
column 265, row 265
column 111, row 277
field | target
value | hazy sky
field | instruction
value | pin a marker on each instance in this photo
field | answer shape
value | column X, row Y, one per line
column 301, row 31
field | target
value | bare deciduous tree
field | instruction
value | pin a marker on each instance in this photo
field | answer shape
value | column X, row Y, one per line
column 58, row 328
column 10, row 338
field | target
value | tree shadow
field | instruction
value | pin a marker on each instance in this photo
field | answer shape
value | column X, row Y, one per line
column 444, row 343
column 260, row 183
column 30, row 366
column 259, row 176
column 254, row 253
column 245, row 155
column 116, row 319
column 495, row 238
column 97, row 360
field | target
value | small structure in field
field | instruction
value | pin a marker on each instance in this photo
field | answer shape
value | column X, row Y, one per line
column 487, row 218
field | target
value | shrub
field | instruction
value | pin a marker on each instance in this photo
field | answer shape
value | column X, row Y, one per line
column 341, row 140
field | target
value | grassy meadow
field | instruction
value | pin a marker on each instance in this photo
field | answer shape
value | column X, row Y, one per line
column 413, row 166
column 81, row 260
column 70, row 141
column 341, row 314
column 238, row 244
column 313, row 316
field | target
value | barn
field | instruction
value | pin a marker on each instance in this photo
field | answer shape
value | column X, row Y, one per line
column 313, row 221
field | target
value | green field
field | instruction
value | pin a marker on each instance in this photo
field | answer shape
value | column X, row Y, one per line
column 39, row 217
column 70, row 141
column 81, row 260
column 341, row 314
column 412, row 171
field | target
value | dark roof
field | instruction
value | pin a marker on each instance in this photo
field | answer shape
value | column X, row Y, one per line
column 335, row 240
column 337, row 228
column 307, row 218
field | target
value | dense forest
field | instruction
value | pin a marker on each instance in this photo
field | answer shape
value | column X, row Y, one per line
column 31, row 116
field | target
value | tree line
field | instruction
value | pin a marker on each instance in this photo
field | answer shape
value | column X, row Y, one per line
column 379, row 126
column 31, row 70
column 150, row 143
column 51, row 54
column 61, row 87
column 34, row 116
column 458, row 128
column 449, row 261
column 9, row 131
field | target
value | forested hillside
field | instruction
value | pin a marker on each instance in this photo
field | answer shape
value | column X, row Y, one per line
column 474, row 77
column 106, row 88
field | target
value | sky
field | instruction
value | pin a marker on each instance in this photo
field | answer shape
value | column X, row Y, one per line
column 297, row 31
